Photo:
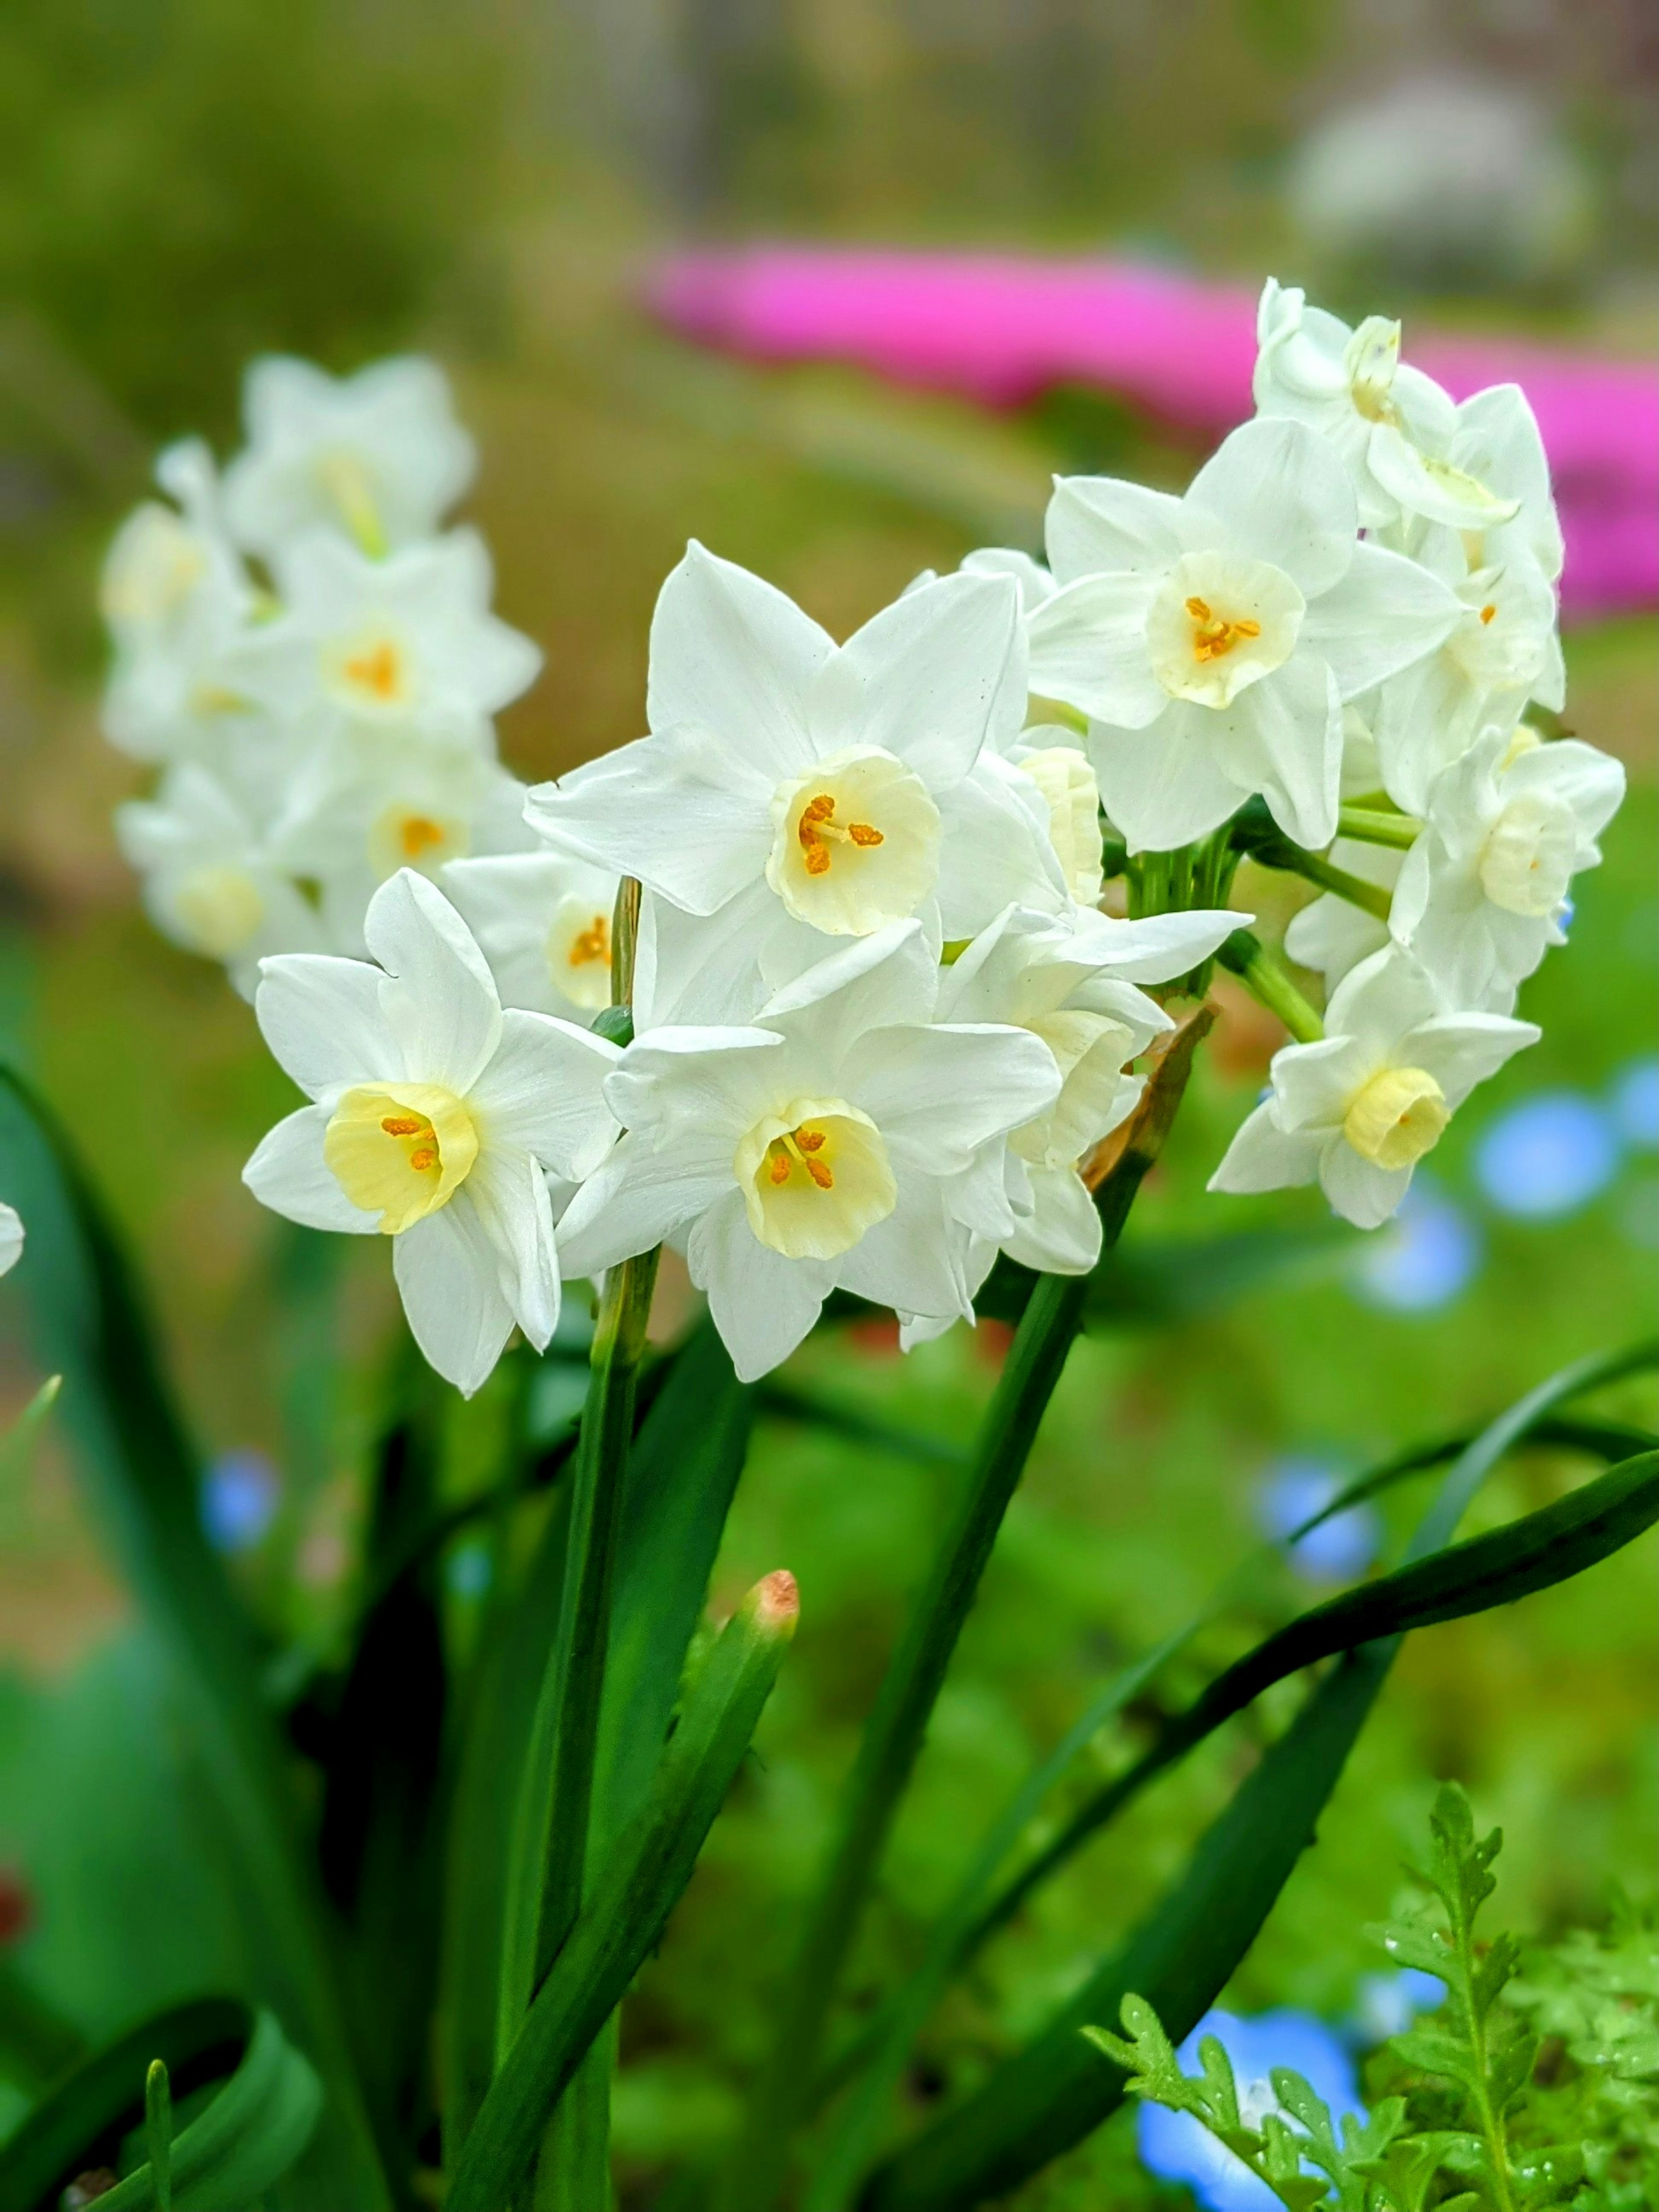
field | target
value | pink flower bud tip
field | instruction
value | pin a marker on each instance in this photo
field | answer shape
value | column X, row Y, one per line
column 778, row 1600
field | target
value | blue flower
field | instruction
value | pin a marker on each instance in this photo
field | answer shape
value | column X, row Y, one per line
column 1548, row 1155
column 1293, row 1491
column 1634, row 1099
column 1177, row 2147
column 1386, row 2004
column 1425, row 1255
column 239, row 1494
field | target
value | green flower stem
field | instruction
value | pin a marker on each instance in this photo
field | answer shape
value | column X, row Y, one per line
column 158, row 2132
column 1372, row 898
column 1261, row 975
column 894, row 1734
column 1370, row 825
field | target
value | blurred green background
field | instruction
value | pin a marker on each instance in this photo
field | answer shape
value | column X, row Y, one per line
column 186, row 182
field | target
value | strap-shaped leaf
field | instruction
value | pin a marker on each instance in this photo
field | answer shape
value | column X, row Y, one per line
column 250, row 2133
column 1054, row 2091
column 634, row 1893
column 93, row 1327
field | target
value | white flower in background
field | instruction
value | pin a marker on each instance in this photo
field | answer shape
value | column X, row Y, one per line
column 1213, row 639
column 837, row 1142
column 177, row 602
column 1330, row 934
column 807, row 793
column 543, row 921
column 435, row 1119
column 209, row 883
column 11, row 1237
column 406, row 645
column 1072, row 983
column 1496, row 442
column 389, row 802
column 379, row 455
column 1358, row 1109
column 1507, row 827
column 1503, row 651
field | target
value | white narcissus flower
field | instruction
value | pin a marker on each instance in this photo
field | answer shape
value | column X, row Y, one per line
column 1331, row 935
column 378, row 454
column 406, row 645
column 435, row 1119
column 1358, row 1109
column 807, row 793
column 1503, row 651
column 210, row 882
column 835, row 1143
column 177, row 602
column 1481, row 894
column 543, row 921
column 11, row 1238
column 1213, row 639
column 1072, row 983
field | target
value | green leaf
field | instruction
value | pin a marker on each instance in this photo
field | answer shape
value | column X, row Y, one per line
column 632, row 1896
column 93, row 1328
column 36, row 2043
column 249, row 2135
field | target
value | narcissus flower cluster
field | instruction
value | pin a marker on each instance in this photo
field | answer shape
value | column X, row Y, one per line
column 892, row 905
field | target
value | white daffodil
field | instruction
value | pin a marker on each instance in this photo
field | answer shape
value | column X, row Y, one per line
column 1332, row 936
column 1072, row 983
column 1351, row 387
column 435, row 1119
column 807, row 793
column 210, row 882
column 403, row 646
column 1496, row 444
column 1507, row 827
column 11, row 1237
column 1503, row 651
column 388, row 802
column 839, row 1141
column 1213, row 639
column 380, row 455
column 178, row 604
column 543, row 921
column 1357, row 1110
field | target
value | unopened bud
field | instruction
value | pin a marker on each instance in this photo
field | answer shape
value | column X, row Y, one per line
column 776, row 1601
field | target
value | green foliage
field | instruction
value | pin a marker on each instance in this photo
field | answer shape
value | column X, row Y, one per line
column 1518, row 2095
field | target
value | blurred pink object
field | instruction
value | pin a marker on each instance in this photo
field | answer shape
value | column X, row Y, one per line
column 1004, row 330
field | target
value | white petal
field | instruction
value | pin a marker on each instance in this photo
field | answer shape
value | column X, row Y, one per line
column 1284, row 739
column 917, row 1259
column 1100, row 525
column 439, row 998
column 11, row 1238
column 1159, row 946
column 762, row 1305
column 682, row 810
column 704, row 969
column 449, row 1277
column 1282, row 494
column 1497, row 439
column 637, row 1198
column 995, row 850
column 288, row 1174
column 321, row 1017
column 1460, row 1050
column 1385, row 614
column 732, row 654
column 1591, row 782
column 1381, row 1000
column 888, row 978
column 1062, row 1236
column 1089, row 649
column 938, row 1094
column 922, row 678
column 1033, row 580
column 1313, row 1083
column 1359, row 1190
column 543, row 1091
column 697, row 1088
column 1165, row 785
column 1264, row 1156
column 509, row 1195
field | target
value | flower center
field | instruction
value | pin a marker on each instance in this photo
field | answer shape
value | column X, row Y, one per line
column 1526, row 863
column 1219, row 623
column 1396, row 1117
column 1373, row 356
column 409, row 837
column 579, row 952
column 854, row 844
column 814, row 1178
column 372, row 673
column 218, row 909
column 401, row 1153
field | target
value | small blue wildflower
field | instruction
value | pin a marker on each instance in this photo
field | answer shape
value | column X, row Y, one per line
column 239, row 1495
column 1634, row 1099
column 1386, row 2004
column 1177, row 2147
column 1548, row 1156
column 1292, row 1490
column 469, row 1570
column 1424, row 1258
